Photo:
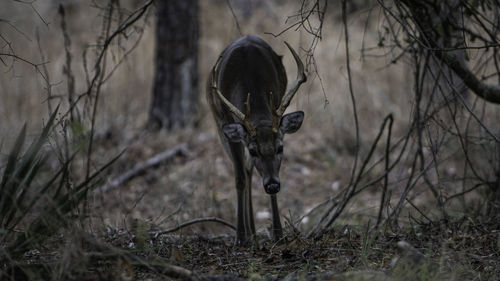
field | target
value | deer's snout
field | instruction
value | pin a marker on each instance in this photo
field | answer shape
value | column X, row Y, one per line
column 272, row 187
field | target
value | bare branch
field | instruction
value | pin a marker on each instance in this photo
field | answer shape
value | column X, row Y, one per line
column 131, row 19
column 421, row 19
column 30, row 3
column 234, row 17
column 488, row 92
column 67, row 67
column 351, row 92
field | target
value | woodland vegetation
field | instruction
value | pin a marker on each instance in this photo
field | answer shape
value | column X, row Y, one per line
column 111, row 167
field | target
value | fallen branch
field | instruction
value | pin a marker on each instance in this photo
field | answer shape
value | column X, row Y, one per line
column 175, row 271
column 188, row 223
column 156, row 264
column 139, row 168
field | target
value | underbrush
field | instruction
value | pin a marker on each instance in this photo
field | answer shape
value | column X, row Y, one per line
column 53, row 237
column 440, row 251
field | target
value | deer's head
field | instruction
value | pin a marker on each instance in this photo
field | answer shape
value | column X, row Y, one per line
column 266, row 145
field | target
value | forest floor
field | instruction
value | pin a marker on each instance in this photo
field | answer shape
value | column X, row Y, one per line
column 461, row 250
column 124, row 240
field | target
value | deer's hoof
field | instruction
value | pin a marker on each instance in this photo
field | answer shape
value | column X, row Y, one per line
column 243, row 242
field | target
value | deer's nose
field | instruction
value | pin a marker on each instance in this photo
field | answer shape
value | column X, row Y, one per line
column 272, row 188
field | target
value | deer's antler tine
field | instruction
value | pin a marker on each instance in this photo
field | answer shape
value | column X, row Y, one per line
column 276, row 117
column 247, row 106
column 301, row 78
column 248, row 124
column 244, row 118
column 271, row 101
column 229, row 105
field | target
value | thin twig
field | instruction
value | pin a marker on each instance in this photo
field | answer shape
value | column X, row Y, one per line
column 465, row 191
column 157, row 264
column 45, row 71
column 35, row 65
column 418, row 210
column 386, row 174
column 199, row 220
column 107, row 21
column 30, row 3
column 352, row 189
column 67, row 67
column 133, row 18
column 234, row 17
column 351, row 92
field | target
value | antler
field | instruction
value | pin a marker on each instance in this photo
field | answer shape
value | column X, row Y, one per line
column 285, row 101
column 245, row 118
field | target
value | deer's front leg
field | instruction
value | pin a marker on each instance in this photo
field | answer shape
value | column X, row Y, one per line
column 250, row 219
column 277, row 229
column 241, row 234
column 245, row 224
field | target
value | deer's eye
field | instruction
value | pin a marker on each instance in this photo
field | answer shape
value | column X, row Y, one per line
column 280, row 149
column 253, row 150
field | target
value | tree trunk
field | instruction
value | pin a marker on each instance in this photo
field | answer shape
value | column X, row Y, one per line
column 175, row 89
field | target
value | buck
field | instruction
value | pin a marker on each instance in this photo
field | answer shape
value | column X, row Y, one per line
column 250, row 77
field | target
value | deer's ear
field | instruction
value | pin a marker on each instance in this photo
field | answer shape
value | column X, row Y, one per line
column 234, row 132
column 291, row 122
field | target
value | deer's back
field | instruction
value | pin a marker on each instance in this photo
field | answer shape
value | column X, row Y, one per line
column 249, row 65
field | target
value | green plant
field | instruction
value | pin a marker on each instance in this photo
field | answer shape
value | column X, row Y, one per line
column 17, row 178
column 56, row 199
column 367, row 242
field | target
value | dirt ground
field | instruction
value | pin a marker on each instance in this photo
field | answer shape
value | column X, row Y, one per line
column 460, row 250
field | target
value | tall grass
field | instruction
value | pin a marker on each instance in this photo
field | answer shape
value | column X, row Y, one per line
column 31, row 212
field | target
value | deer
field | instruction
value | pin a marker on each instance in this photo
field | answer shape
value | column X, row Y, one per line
column 250, row 77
